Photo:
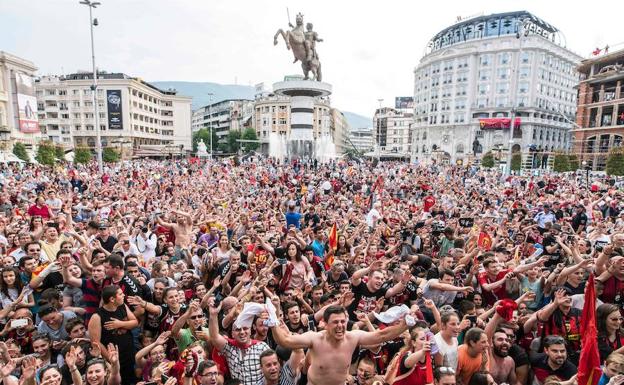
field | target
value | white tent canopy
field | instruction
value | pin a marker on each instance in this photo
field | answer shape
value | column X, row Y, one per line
column 8, row 157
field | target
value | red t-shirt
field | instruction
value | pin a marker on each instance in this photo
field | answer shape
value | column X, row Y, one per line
column 429, row 203
column 499, row 293
column 43, row 212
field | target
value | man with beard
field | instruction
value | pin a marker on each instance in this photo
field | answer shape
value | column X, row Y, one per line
column 330, row 350
column 553, row 362
column 502, row 367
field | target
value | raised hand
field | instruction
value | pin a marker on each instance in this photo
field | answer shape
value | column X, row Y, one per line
column 7, row 369
column 29, row 365
column 162, row 338
column 70, row 358
column 113, row 354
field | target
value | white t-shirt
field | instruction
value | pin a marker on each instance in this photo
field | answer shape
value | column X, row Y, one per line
column 448, row 352
column 372, row 217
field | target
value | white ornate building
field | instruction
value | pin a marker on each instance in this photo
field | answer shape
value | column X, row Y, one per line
column 492, row 67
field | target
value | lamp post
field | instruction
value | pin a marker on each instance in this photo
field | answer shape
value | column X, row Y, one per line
column 210, row 95
column 96, row 114
column 512, row 124
column 587, row 167
column 379, row 131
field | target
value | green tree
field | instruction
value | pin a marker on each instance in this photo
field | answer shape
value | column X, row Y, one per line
column 573, row 163
column 19, row 150
column 109, row 155
column 82, row 155
column 516, row 161
column 250, row 134
column 204, row 134
column 615, row 162
column 59, row 152
column 561, row 163
column 487, row 160
column 232, row 141
column 46, row 153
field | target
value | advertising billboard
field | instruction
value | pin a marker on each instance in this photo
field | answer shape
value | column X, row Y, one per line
column 404, row 102
column 113, row 103
column 497, row 123
column 26, row 103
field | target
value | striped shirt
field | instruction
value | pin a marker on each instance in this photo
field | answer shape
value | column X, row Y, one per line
column 245, row 365
column 91, row 293
column 286, row 377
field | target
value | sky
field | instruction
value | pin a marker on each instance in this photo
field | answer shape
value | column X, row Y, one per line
column 369, row 52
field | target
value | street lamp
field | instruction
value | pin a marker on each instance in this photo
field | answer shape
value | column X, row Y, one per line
column 96, row 114
column 210, row 95
column 587, row 167
column 521, row 32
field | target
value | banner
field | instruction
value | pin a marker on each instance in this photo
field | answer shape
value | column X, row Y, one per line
column 113, row 102
column 498, row 123
column 404, row 102
column 26, row 103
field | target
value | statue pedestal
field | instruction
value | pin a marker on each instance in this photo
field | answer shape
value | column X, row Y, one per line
column 301, row 142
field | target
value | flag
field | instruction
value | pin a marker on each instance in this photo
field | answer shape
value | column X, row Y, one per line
column 485, row 241
column 597, row 51
column 333, row 245
column 428, row 367
column 589, row 364
column 333, row 237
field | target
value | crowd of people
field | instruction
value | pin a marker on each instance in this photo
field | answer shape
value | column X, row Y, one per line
column 282, row 273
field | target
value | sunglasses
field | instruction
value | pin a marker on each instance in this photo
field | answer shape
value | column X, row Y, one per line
column 196, row 317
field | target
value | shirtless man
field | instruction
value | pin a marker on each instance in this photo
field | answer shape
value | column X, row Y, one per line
column 181, row 229
column 311, row 38
column 330, row 350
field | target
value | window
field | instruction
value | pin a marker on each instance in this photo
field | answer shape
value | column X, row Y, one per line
column 462, row 77
column 482, row 102
column 484, row 74
column 524, row 72
column 523, row 101
column 461, row 90
column 504, row 58
column 447, row 79
column 523, row 87
column 484, row 89
column 502, row 88
column 462, row 62
column 501, row 101
column 526, row 57
column 503, row 73
column 460, row 104
column 485, row 60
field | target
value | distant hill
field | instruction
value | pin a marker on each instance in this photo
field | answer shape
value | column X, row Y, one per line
column 199, row 92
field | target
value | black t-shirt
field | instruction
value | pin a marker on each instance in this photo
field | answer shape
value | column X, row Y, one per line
column 519, row 355
column 409, row 294
column 579, row 220
column 129, row 286
column 225, row 267
column 542, row 370
column 364, row 300
column 109, row 244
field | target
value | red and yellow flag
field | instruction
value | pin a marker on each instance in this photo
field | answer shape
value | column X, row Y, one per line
column 333, row 237
column 485, row 241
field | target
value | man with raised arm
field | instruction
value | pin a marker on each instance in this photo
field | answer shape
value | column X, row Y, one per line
column 330, row 350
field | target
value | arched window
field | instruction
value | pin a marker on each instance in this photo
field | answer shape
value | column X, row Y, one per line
column 459, row 148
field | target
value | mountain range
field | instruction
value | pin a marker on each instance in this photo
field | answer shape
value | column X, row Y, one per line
column 200, row 92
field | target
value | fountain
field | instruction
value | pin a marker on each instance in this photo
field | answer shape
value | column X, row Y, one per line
column 325, row 148
column 277, row 146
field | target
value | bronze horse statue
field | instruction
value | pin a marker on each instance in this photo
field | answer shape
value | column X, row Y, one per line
column 295, row 40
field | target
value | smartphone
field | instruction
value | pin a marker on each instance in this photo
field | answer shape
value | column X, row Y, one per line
column 18, row 323
column 150, row 383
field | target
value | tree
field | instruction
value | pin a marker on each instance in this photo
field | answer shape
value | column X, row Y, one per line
column 250, row 134
column 109, row 155
column 204, row 134
column 615, row 162
column 232, row 141
column 516, row 161
column 19, row 150
column 561, row 163
column 46, row 153
column 82, row 155
column 487, row 160
column 573, row 163
column 59, row 152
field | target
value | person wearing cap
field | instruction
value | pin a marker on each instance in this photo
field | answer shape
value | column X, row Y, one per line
column 107, row 241
column 579, row 220
column 543, row 217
